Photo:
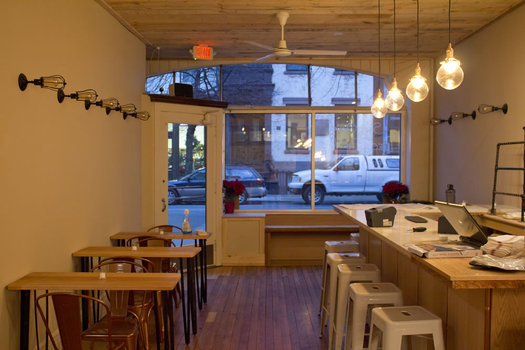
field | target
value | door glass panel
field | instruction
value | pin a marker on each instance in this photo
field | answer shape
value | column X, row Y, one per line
column 187, row 174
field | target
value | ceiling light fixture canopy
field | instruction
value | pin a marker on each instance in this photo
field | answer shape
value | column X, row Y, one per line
column 394, row 100
column 52, row 82
column 379, row 108
column 450, row 75
column 417, row 88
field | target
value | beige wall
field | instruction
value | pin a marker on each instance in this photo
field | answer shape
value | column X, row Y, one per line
column 494, row 64
column 69, row 177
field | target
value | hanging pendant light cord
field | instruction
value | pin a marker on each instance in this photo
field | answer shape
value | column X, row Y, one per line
column 449, row 4
column 417, row 36
column 394, row 38
column 379, row 34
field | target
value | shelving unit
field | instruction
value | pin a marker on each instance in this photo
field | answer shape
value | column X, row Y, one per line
column 498, row 168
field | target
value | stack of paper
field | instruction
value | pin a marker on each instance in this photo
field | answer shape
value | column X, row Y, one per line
column 504, row 245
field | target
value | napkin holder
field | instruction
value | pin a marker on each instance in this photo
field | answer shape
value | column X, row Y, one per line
column 380, row 216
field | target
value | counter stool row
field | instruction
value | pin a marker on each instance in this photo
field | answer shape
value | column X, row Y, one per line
column 352, row 293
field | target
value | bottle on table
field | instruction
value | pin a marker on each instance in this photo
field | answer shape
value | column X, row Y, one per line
column 186, row 227
column 451, row 194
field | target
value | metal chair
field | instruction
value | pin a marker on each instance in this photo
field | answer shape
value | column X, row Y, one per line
column 138, row 303
column 118, row 332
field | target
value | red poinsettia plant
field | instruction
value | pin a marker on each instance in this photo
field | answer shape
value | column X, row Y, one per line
column 394, row 191
column 232, row 188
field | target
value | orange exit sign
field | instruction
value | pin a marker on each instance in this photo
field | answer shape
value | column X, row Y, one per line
column 202, row 53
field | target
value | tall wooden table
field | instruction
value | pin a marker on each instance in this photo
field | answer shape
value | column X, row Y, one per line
column 54, row 281
column 184, row 254
column 200, row 240
column 480, row 309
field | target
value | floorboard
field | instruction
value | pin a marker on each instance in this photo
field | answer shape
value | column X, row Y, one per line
column 258, row 308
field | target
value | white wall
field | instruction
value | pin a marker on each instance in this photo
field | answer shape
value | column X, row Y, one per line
column 69, row 177
column 493, row 62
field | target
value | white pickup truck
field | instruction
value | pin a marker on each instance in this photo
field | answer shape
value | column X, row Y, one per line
column 356, row 174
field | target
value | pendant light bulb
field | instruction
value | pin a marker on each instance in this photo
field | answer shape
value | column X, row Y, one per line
column 379, row 108
column 394, row 99
column 450, row 75
column 417, row 89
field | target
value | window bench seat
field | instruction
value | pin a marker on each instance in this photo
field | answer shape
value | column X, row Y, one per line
column 301, row 244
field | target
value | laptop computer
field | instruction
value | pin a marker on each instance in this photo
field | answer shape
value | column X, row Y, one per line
column 470, row 232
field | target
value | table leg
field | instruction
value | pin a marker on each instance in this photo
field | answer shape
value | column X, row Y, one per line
column 204, row 273
column 84, row 267
column 191, row 294
column 199, row 286
column 156, row 314
column 24, row 319
column 185, row 320
column 168, row 327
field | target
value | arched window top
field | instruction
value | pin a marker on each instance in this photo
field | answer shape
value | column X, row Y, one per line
column 274, row 85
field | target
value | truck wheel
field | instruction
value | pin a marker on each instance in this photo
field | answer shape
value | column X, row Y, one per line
column 319, row 194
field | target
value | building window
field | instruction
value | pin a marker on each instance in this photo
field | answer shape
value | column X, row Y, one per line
column 345, row 133
column 296, row 69
column 295, row 101
column 343, row 72
column 297, row 140
column 343, row 101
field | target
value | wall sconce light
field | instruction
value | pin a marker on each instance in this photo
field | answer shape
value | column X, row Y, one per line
column 126, row 110
column 83, row 95
column 484, row 109
column 52, row 82
column 110, row 104
column 461, row 115
column 142, row 115
column 440, row 121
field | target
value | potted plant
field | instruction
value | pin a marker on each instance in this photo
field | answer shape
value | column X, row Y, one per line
column 395, row 192
column 232, row 190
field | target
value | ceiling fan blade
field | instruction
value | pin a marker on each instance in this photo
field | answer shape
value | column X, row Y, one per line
column 269, row 48
column 318, row 52
column 265, row 57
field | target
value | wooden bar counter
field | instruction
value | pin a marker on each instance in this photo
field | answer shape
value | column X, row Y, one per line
column 480, row 309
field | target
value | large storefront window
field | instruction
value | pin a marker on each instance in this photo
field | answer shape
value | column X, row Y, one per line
column 300, row 136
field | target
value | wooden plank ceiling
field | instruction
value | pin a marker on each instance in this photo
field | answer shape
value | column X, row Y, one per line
column 351, row 25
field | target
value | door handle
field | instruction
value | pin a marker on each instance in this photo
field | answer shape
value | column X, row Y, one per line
column 163, row 205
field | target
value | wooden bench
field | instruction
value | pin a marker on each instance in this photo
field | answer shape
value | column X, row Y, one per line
column 288, row 245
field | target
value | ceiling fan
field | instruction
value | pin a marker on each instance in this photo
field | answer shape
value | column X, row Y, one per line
column 283, row 51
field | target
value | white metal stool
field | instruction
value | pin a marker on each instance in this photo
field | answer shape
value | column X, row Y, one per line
column 335, row 247
column 396, row 321
column 362, row 297
column 330, row 285
column 347, row 274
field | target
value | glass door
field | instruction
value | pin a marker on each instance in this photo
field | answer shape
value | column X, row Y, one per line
column 188, row 166
column 187, row 175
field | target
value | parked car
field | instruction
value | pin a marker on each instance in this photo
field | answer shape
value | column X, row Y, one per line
column 192, row 187
column 355, row 174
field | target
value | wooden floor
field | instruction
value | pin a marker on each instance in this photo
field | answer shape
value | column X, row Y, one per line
column 258, row 308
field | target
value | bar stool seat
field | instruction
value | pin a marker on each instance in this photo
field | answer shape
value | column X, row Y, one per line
column 396, row 321
column 330, row 285
column 346, row 274
column 361, row 298
column 335, row 247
